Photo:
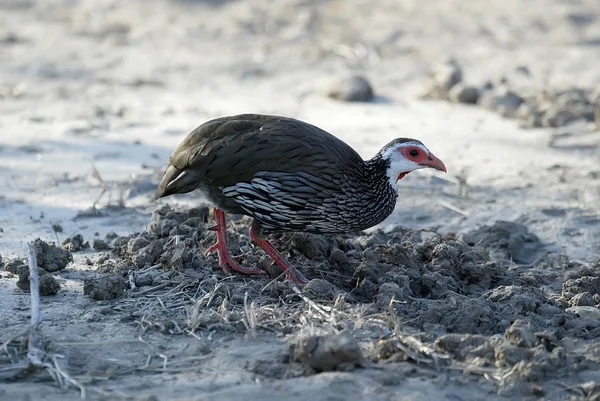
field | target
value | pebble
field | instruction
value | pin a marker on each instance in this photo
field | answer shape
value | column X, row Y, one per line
column 582, row 299
column 550, row 108
column 462, row 93
column 47, row 283
column 443, row 78
column 329, row 353
column 75, row 243
column 557, row 117
column 320, row 287
column 355, row 88
column 502, row 100
column 447, row 75
column 100, row 245
column 105, row 287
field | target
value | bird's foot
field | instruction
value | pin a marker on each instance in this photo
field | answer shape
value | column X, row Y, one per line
column 291, row 273
column 226, row 260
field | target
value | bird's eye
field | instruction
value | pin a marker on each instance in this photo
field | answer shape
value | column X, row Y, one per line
column 413, row 152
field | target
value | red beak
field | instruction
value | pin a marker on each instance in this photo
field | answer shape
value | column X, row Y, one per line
column 433, row 162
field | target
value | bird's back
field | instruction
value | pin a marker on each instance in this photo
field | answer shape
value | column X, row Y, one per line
column 287, row 174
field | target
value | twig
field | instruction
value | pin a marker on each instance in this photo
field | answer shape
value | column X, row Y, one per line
column 453, row 208
column 131, row 278
column 34, row 354
column 250, row 316
column 149, row 290
column 321, row 309
column 67, row 377
column 55, row 232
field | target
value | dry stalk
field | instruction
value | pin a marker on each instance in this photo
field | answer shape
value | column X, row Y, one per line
column 36, row 356
column 250, row 316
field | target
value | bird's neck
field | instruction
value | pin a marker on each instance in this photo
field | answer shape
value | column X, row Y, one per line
column 378, row 195
column 377, row 173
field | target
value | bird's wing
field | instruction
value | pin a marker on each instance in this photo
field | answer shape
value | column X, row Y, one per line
column 297, row 201
column 232, row 150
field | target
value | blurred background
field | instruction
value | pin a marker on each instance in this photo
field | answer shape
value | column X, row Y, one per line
column 94, row 96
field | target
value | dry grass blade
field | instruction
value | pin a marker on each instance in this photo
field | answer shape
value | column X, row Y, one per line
column 322, row 310
column 450, row 206
column 250, row 316
column 36, row 356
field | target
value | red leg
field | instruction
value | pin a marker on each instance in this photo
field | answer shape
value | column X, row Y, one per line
column 225, row 258
column 291, row 273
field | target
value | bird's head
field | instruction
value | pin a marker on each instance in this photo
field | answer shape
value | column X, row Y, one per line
column 405, row 155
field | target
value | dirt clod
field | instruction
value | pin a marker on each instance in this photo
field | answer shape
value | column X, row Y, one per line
column 51, row 257
column 14, row 265
column 461, row 93
column 443, row 78
column 75, row 243
column 100, row 245
column 48, row 284
column 105, row 288
column 354, row 88
column 581, row 291
column 320, row 288
column 330, row 352
column 508, row 240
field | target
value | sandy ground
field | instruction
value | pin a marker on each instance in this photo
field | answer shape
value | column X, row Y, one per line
column 94, row 95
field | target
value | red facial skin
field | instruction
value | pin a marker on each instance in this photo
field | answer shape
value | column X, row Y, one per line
column 419, row 156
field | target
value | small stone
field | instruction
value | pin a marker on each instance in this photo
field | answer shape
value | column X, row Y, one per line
column 57, row 228
column 13, row 266
column 338, row 256
column 355, row 88
column 520, row 333
column 461, row 93
column 51, row 257
column 329, row 353
column 100, row 245
column 583, row 299
column 75, row 243
column 556, row 117
column 104, row 288
column 48, row 285
column 135, row 244
column 446, row 75
column 320, row 287
column 144, row 280
column 23, row 283
column 502, row 100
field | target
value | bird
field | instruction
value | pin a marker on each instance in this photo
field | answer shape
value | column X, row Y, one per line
column 288, row 176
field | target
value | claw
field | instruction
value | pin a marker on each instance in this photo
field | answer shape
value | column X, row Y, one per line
column 226, row 260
